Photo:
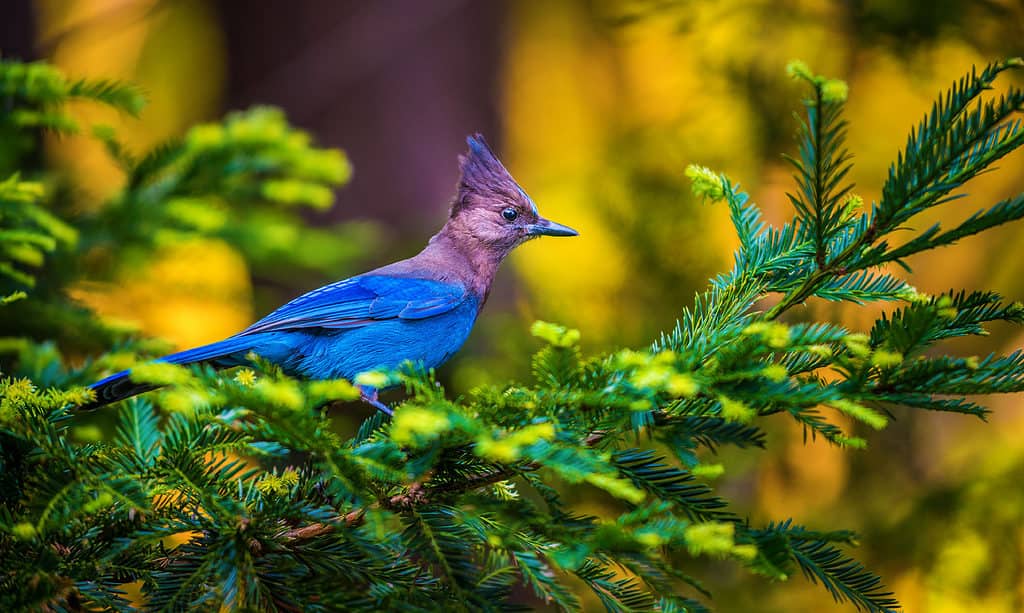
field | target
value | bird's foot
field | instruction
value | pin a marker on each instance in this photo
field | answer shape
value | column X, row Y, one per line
column 369, row 396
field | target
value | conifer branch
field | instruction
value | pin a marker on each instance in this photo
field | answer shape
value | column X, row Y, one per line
column 424, row 511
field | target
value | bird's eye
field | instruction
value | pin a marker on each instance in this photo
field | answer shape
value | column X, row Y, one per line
column 510, row 214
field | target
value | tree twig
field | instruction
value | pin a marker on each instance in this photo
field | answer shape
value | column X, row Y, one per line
column 419, row 494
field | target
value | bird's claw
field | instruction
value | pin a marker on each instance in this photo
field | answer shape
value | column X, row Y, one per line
column 369, row 396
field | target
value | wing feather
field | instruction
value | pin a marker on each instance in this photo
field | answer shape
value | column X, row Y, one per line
column 358, row 301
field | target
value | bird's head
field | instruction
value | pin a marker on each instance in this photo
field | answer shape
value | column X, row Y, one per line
column 490, row 209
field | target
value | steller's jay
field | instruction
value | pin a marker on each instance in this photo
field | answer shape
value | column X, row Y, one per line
column 420, row 309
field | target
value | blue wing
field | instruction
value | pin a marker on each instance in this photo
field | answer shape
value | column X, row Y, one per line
column 361, row 300
column 351, row 303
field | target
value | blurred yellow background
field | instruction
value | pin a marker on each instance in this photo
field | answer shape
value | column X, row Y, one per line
column 598, row 107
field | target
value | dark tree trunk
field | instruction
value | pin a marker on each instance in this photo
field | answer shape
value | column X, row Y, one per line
column 397, row 83
column 18, row 30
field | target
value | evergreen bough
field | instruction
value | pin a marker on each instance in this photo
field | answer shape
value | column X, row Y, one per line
column 233, row 490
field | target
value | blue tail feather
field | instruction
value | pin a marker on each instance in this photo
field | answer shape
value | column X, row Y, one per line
column 221, row 349
column 119, row 386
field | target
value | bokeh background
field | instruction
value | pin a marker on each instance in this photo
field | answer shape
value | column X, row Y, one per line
column 596, row 107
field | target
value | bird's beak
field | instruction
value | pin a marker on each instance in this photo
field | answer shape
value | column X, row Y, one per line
column 546, row 227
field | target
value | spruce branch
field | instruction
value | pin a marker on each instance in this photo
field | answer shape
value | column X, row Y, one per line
column 951, row 146
column 823, row 163
column 453, row 503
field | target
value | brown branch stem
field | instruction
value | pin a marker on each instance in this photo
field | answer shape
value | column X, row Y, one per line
column 418, row 494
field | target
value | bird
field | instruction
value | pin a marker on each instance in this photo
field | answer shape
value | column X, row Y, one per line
column 420, row 309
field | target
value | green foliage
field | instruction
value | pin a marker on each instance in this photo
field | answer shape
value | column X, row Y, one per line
column 35, row 95
column 246, row 180
column 228, row 180
column 235, row 492
column 28, row 233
